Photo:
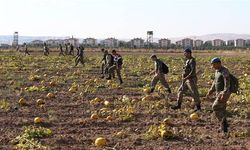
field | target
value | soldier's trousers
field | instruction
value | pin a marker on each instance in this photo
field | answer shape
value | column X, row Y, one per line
column 116, row 68
column 103, row 68
column 159, row 77
column 79, row 59
column 219, row 107
column 191, row 85
column 46, row 53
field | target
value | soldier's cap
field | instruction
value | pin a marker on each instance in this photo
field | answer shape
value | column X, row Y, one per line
column 153, row 56
column 188, row 50
column 215, row 60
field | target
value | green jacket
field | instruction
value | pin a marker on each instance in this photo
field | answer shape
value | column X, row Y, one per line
column 189, row 70
column 158, row 66
column 222, row 81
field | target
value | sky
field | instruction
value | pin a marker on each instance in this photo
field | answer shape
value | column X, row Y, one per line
column 124, row 18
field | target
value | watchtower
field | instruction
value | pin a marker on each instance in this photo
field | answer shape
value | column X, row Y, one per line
column 149, row 38
column 15, row 39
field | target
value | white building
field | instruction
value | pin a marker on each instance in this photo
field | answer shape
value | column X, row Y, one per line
column 187, row 42
column 137, row 43
column 248, row 42
column 230, row 43
column 73, row 41
column 90, row 42
column 198, row 43
column 110, row 42
column 54, row 42
column 36, row 43
column 178, row 43
column 240, row 43
column 218, row 42
column 164, row 43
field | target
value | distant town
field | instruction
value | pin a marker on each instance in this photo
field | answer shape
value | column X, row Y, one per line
column 139, row 43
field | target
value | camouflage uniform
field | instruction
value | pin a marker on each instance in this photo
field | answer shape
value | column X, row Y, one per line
column 79, row 57
column 159, row 76
column 221, row 86
column 66, row 49
column 26, row 52
column 116, row 66
column 45, row 50
column 71, row 49
column 104, row 62
column 189, row 71
column 61, row 50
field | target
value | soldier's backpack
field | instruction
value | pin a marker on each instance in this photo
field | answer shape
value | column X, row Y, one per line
column 165, row 69
column 234, row 84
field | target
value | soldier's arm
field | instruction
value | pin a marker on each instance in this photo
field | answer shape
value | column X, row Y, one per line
column 226, row 77
column 192, row 72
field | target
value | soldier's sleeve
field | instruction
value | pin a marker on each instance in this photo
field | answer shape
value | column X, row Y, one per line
column 192, row 67
column 212, row 88
column 226, row 77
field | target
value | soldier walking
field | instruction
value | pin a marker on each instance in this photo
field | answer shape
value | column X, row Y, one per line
column 61, row 50
column 103, row 61
column 221, row 86
column 26, row 52
column 118, row 61
column 45, row 49
column 159, row 74
column 189, row 81
column 109, row 62
column 66, row 49
column 79, row 56
column 71, row 49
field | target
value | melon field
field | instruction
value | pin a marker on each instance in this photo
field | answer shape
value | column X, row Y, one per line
column 47, row 103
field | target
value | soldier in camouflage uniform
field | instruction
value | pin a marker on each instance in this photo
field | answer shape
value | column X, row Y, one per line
column 158, row 75
column 189, row 81
column 80, row 55
column 61, row 50
column 26, row 52
column 221, row 86
column 71, row 49
column 45, row 49
column 66, row 49
column 118, row 61
column 104, row 62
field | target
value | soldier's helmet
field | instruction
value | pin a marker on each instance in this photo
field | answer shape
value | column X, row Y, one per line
column 215, row 60
column 188, row 50
column 153, row 56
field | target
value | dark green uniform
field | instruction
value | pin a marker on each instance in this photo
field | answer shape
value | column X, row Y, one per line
column 26, row 52
column 221, row 86
column 45, row 50
column 118, row 61
column 189, row 72
column 61, row 50
column 80, row 55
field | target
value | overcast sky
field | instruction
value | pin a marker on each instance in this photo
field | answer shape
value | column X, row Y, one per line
column 123, row 18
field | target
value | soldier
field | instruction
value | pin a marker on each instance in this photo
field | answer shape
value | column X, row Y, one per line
column 221, row 86
column 104, row 62
column 45, row 49
column 61, row 50
column 26, row 49
column 189, row 81
column 118, row 61
column 71, row 49
column 66, row 49
column 79, row 56
column 158, row 74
